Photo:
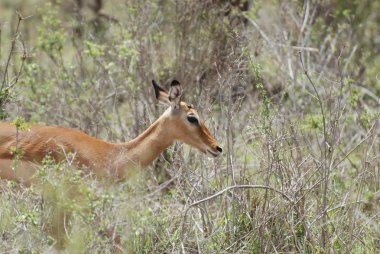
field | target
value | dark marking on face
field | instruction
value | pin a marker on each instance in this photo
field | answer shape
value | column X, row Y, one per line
column 174, row 95
column 157, row 89
column 175, row 83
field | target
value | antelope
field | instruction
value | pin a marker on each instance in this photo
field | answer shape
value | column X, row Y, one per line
column 180, row 122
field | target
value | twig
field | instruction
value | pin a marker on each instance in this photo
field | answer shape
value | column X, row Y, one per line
column 353, row 149
column 326, row 172
column 368, row 93
column 266, row 38
column 0, row 41
column 257, row 28
column 307, row 11
column 246, row 186
column 20, row 18
column 363, row 227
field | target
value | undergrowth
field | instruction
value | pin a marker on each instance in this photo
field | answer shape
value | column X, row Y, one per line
column 283, row 86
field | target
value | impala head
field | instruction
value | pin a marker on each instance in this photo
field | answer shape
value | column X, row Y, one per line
column 184, row 120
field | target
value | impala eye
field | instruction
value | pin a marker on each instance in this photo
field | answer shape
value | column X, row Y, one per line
column 192, row 119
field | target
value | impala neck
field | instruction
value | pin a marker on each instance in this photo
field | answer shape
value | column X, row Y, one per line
column 143, row 150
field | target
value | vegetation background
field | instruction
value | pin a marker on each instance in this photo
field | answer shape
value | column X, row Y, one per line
column 290, row 89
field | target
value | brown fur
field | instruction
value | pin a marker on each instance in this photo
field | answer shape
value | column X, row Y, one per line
column 102, row 158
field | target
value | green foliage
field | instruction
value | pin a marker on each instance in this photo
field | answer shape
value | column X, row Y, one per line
column 314, row 122
column 355, row 95
column 20, row 124
column 51, row 37
column 266, row 102
column 5, row 98
column 367, row 119
column 93, row 49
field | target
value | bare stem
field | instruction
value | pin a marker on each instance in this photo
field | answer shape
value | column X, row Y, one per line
column 20, row 18
column 325, row 146
column 246, row 186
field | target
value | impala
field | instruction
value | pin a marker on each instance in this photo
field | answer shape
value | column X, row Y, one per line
column 179, row 122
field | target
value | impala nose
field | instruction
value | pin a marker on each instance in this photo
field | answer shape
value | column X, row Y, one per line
column 219, row 149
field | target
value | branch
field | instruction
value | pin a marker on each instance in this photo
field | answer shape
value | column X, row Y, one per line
column 266, row 38
column 20, row 18
column 247, row 186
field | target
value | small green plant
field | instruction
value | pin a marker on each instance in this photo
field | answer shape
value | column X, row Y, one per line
column 5, row 98
column 51, row 37
column 93, row 49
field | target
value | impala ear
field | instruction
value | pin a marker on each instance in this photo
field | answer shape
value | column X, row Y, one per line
column 175, row 94
column 161, row 95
